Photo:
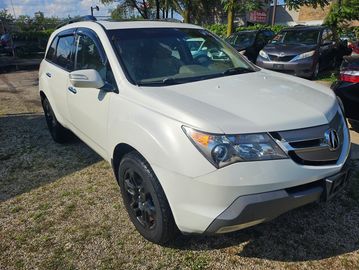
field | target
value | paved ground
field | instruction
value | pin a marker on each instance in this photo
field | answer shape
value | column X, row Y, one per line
column 60, row 208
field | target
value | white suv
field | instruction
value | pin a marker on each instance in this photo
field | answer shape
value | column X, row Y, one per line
column 199, row 143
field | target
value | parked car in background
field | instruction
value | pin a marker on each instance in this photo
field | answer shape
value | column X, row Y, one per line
column 354, row 46
column 302, row 51
column 249, row 43
column 21, row 44
column 197, row 146
column 347, row 88
column 5, row 41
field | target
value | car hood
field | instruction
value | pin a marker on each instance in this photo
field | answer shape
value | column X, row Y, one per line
column 254, row 102
column 288, row 49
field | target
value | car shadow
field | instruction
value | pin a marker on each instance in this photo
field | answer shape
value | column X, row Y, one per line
column 313, row 232
column 29, row 158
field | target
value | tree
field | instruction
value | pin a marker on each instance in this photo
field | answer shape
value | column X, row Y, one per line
column 240, row 7
column 142, row 6
column 341, row 12
column 6, row 20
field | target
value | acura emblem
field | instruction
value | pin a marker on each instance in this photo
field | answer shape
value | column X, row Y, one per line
column 332, row 139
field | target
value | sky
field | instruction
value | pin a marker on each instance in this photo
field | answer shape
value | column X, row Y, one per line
column 56, row 8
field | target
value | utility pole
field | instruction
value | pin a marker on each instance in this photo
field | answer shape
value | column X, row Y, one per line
column 275, row 2
column 13, row 10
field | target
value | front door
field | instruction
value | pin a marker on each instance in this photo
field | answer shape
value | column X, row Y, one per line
column 88, row 107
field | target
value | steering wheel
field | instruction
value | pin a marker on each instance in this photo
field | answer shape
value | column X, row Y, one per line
column 202, row 60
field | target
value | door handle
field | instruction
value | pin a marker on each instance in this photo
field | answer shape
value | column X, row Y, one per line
column 48, row 74
column 72, row 90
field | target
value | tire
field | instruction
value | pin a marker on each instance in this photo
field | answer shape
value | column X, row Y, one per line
column 315, row 71
column 58, row 133
column 145, row 201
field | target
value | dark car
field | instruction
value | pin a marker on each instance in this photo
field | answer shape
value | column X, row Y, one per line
column 347, row 88
column 302, row 51
column 22, row 44
column 249, row 43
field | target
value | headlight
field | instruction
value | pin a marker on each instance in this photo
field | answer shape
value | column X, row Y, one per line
column 303, row 55
column 263, row 54
column 222, row 150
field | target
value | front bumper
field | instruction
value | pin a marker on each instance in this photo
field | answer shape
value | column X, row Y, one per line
column 301, row 68
column 253, row 209
column 197, row 202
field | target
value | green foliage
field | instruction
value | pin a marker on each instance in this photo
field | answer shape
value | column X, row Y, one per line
column 5, row 16
column 346, row 10
column 296, row 4
column 221, row 29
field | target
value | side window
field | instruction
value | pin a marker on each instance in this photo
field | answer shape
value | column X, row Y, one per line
column 64, row 56
column 324, row 36
column 269, row 35
column 52, row 50
column 88, row 57
column 330, row 35
column 261, row 39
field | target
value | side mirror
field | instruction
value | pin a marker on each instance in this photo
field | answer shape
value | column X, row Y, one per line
column 86, row 78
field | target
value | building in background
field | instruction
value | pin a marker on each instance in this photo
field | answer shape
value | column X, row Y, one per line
column 305, row 15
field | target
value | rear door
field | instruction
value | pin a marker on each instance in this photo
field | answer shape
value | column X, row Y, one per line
column 88, row 107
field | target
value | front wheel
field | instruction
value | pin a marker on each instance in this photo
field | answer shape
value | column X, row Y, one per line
column 145, row 200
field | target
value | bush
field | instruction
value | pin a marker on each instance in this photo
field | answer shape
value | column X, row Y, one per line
column 221, row 29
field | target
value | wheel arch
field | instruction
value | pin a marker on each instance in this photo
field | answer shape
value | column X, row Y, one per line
column 119, row 152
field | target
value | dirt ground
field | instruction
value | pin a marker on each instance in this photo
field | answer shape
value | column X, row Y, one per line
column 60, row 208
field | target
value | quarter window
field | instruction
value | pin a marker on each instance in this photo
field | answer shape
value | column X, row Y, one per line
column 64, row 56
column 52, row 50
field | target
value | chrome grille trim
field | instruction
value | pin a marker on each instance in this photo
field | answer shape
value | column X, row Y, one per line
column 307, row 146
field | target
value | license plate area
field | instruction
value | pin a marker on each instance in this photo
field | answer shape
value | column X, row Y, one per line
column 278, row 66
column 334, row 184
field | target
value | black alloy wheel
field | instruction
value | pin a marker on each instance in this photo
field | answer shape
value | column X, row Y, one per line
column 145, row 200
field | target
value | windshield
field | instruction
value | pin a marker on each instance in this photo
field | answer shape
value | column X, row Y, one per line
column 162, row 56
column 307, row 37
column 242, row 40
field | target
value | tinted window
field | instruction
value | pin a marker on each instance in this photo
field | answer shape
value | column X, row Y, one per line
column 64, row 57
column 52, row 50
column 242, row 39
column 261, row 39
column 88, row 57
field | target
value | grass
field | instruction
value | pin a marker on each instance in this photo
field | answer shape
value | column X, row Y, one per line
column 328, row 76
column 60, row 208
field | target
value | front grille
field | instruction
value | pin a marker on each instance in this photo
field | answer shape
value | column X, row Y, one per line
column 308, row 146
column 278, row 58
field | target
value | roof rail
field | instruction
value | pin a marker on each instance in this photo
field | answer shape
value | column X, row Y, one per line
column 79, row 19
column 144, row 20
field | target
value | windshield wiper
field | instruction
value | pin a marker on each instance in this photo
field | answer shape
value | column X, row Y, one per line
column 236, row 70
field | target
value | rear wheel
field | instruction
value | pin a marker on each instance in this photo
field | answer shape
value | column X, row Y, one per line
column 58, row 133
column 145, row 200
